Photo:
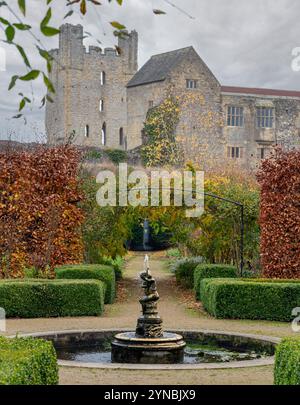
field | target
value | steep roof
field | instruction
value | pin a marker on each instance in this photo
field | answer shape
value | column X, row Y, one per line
column 158, row 67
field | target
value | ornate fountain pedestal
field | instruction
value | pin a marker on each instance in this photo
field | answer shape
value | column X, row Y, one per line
column 148, row 344
column 127, row 348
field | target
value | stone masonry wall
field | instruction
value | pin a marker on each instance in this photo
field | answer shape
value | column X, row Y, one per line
column 286, row 130
column 76, row 78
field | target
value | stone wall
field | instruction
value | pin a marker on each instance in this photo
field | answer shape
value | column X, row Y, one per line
column 285, row 132
column 76, row 78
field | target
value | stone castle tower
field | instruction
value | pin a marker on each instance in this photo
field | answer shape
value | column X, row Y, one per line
column 90, row 104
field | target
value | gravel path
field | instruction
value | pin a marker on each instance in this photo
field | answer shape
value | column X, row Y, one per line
column 178, row 310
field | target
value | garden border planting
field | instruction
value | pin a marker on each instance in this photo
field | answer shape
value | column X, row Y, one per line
column 27, row 361
column 39, row 298
column 287, row 362
column 101, row 272
column 203, row 271
column 245, row 299
column 184, row 270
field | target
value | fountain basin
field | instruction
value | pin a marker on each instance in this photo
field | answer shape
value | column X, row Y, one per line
column 77, row 348
column 128, row 348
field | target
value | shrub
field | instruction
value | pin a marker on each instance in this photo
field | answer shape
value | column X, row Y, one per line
column 173, row 252
column 279, row 178
column 27, row 361
column 250, row 299
column 116, row 263
column 203, row 271
column 39, row 216
column 91, row 271
column 116, row 155
column 287, row 362
column 184, row 270
column 49, row 298
column 93, row 155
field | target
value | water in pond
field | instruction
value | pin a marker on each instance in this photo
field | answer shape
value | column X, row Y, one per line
column 194, row 353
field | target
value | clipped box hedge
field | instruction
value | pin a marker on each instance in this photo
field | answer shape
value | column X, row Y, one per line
column 184, row 270
column 255, row 299
column 287, row 362
column 100, row 272
column 203, row 271
column 50, row 298
column 27, row 361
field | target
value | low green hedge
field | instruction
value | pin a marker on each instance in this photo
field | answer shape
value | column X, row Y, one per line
column 91, row 271
column 203, row 271
column 49, row 298
column 117, row 264
column 184, row 270
column 287, row 362
column 27, row 361
column 244, row 299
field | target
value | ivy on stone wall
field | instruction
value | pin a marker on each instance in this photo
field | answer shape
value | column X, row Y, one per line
column 161, row 148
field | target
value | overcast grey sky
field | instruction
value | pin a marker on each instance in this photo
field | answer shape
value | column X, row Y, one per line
column 244, row 43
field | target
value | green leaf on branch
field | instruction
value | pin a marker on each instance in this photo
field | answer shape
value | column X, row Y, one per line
column 48, row 84
column 48, row 31
column 22, row 104
column 120, row 2
column 159, row 12
column 22, row 6
column 22, row 27
column 68, row 14
column 33, row 75
column 10, row 33
column 4, row 21
column 47, row 18
column 13, row 82
column 24, row 56
column 117, row 25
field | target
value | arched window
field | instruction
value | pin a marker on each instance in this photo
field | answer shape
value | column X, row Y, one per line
column 102, row 78
column 121, row 137
column 101, row 105
column 103, row 134
column 87, row 131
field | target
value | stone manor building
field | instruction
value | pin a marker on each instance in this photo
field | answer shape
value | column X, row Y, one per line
column 102, row 100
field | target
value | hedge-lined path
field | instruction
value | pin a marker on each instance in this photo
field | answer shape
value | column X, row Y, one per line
column 179, row 311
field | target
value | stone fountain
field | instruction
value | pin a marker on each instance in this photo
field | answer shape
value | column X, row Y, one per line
column 149, row 344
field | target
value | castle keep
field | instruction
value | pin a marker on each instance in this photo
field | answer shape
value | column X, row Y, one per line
column 102, row 100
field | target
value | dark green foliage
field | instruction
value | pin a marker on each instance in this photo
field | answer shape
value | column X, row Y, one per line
column 93, row 155
column 27, row 361
column 184, row 270
column 91, row 271
column 287, row 362
column 116, row 263
column 50, row 298
column 250, row 299
column 203, row 271
column 116, row 155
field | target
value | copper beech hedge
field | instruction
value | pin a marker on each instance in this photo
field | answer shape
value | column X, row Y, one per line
column 279, row 178
column 39, row 215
